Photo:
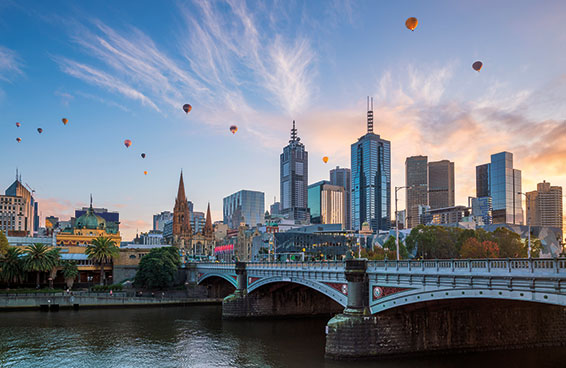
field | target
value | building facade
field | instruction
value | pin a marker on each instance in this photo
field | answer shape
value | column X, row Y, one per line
column 343, row 177
column 275, row 208
column 441, row 184
column 371, row 180
column 416, row 181
column 326, row 203
column 160, row 219
column 482, row 207
column 182, row 231
column 18, row 210
column 500, row 181
column 244, row 207
column 448, row 215
column 544, row 206
column 294, row 169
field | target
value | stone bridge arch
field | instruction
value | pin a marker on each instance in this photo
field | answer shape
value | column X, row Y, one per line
column 217, row 284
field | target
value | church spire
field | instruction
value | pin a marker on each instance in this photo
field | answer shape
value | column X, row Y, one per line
column 181, row 192
column 207, row 231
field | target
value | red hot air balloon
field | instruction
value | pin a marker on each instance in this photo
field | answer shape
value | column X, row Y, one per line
column 143, row 155
column 18, row 139
column 65, row 121
column 18, row 125
column 39, row 130
column 187, row 108
column 127, row 143
column 477, row 66
column 411, row 23
column 233, row 129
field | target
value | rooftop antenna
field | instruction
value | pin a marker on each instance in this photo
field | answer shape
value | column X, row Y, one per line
column 370, row 115
column 293, row 133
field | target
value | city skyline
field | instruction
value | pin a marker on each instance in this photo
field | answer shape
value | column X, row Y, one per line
column 424, row 95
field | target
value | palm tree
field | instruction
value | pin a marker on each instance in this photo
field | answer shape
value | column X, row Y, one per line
column 38, row 259
column 55, row 260
column 101, row 251
column 12, row 265
column 70, row 271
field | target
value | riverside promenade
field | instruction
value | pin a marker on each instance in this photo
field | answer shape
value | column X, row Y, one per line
column 78, row 300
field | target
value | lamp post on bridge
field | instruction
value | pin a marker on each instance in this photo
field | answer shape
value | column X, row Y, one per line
column 528, row 222
column 396, row 221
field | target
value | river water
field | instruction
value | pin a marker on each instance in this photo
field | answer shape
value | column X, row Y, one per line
column 196, row 336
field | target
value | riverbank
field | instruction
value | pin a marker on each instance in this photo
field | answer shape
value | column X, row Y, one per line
column 56, row 301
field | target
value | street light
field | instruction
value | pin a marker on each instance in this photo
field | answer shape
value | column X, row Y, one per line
column 528, row 222
column 397, row 222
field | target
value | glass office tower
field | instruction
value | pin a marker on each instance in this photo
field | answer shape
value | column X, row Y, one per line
column 342, row 177
column 371, row 180
column 245, row 206
column 500, row 181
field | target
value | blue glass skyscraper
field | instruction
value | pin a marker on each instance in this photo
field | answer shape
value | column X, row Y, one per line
column 371, row 179
column 500, row 181
column 245, row 206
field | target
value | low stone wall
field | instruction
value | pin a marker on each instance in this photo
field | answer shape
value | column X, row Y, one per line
column 448, row 326
column 279, row 300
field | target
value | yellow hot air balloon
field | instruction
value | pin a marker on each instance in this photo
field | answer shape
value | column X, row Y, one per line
column 145, row 172
column 411, row 23
column 325, row 159
column 65, row 121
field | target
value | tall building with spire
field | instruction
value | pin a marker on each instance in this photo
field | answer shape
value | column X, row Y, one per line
column 18, row 209
column 294, row 168
column 371, row 179
column 182, row 232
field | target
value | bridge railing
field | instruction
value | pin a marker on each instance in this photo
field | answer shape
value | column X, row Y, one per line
column 329, row 265
column 555, row 265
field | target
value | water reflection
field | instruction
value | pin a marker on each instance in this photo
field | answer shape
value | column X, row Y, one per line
column 197, row 337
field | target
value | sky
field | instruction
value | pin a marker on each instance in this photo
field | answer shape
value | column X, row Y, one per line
column 123, row 70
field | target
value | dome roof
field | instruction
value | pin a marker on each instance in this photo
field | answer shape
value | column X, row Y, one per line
column 90, row 220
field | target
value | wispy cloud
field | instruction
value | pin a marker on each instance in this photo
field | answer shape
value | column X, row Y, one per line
column 10, row 64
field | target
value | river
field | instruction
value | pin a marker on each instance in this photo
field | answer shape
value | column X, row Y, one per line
column 196, row 336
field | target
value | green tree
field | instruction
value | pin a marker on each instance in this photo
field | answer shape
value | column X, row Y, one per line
column 55, row 259
column 158, row 268
column 12, row 266
column 38, row 259
column 101, row 251
column 392, row 246
column 70, row 272
column 4, row 245
column 510, row 244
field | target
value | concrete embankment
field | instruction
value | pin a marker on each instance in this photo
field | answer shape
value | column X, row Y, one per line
column 64, row 301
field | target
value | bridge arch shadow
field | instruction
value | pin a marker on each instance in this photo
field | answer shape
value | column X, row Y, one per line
column 284, row 296
column 218, row 285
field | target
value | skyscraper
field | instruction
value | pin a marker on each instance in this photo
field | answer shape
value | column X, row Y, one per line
column 326, row 203
column 245, row 206
column 371, row 179
column 500, row 181
column 544, row 206
column 160, row 219
column 416, row 181
column 343, row 177
column 24, row 219
column 294, row 168
column 440, row 184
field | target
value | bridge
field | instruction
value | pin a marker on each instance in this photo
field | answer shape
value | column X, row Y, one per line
column 492, row 303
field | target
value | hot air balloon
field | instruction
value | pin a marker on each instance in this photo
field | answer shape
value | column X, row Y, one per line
column 18, row 125
column 127, row 143
column 18, row 139
column 325, row 159
column 145, row 172
column 477, row 66
column 411, row 23
column 143, row 155
column 65, row 121
column 187, row 108
column 39, row 130
column 233, row 129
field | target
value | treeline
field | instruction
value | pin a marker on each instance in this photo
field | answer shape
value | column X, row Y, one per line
column 157, row 269
column 438, row 242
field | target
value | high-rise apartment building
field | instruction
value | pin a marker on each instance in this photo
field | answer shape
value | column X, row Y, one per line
column 440, row 184
column 18, row 210
column 416, row 181
column 544, row 206
column 343, row 177
column 326, row 203
column 244, row 207
column 294, row 168
column 275, row 208
column 197, row 221
column 160, row 219
column 371, row 179
column 500, row 181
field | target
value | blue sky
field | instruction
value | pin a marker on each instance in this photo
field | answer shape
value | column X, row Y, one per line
column 123, row 70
